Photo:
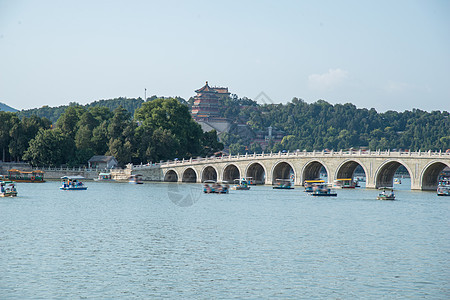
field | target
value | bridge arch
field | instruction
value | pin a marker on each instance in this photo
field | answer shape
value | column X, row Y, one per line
column 189, row 175
column 384, row 175
column 311, row 170
column 231, row 172
column 430, row 174
column 209, row 173
column 257, row 171
column 282, row 170
column 171, row 176
column 347, row 168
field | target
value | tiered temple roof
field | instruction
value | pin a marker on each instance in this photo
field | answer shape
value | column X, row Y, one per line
column 206, row 102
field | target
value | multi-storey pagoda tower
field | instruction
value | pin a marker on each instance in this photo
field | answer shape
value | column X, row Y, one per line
column 206, row 102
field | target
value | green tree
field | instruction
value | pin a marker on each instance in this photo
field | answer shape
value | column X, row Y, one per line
column 168, row 114
column 50, row 147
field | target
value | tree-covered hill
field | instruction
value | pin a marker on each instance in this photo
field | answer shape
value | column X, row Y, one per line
column 321, row 125
column 53, row 113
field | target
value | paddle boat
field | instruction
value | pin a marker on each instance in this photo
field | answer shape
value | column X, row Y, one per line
column 283, row 184
column 309, row 184
column 322, row 190
column 72, row 183
column 135, row 179
column 104, row 177
column 241, row 184
column 443, row 188
column 8, row 189
column 250, row 180
column 344, row 183
column 386, row 194
column 213, row 187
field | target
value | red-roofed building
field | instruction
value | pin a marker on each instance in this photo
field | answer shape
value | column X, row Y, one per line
column 206, row 102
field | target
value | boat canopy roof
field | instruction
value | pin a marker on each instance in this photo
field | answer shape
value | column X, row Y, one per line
column 104, row 174
column 135, row 175
column 344, row 179
column 6, row 182
column 315, row 181
column 26, row 172
column 72, row 177
column 287, row 179
column 386, row 188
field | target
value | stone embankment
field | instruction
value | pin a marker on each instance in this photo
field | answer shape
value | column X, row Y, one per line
column 153, row 173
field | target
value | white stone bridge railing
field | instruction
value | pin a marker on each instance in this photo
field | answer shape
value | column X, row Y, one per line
column 323, row 153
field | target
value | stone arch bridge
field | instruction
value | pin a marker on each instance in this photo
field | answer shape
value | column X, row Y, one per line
column 379, row 167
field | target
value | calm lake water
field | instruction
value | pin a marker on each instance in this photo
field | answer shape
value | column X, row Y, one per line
column 159, row 240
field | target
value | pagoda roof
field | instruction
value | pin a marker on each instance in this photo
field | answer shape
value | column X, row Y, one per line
column 206, row 89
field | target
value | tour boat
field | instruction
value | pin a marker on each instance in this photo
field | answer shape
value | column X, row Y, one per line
column 322, row 190
column 344, row 183
column 8, row 189
column 25, row 176
column 309, row 184
column 72, row 183
column 241, row 184
column 250, row 180
column 283, row 184
column 443, row 188
column 135, row 179
column 386, row 195
column 104, row 177
column 213, row 187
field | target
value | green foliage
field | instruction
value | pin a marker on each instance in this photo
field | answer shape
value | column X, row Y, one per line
column 50, row 147
column 170, row 120
column 321, row 125
column 162, row 129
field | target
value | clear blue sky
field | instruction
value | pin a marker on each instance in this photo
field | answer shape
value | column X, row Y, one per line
column 382, row 54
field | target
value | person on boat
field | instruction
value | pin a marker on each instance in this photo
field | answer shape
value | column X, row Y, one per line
column 207, row 188
column 2, row 189
column 226, row 187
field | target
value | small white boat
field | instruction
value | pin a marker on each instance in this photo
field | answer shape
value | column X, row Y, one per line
column 397, row 181
column 344, row 183
column 241, row 184
column 443, row 188
column 309, row 184
column 283, row 184
column 135, row 179
column 104, row 177
column 386, row 194
column 72, row 183
column 213, row 187
column 8, row 189
column 322, row 190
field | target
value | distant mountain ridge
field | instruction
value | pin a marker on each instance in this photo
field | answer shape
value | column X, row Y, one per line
column 4, row 107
